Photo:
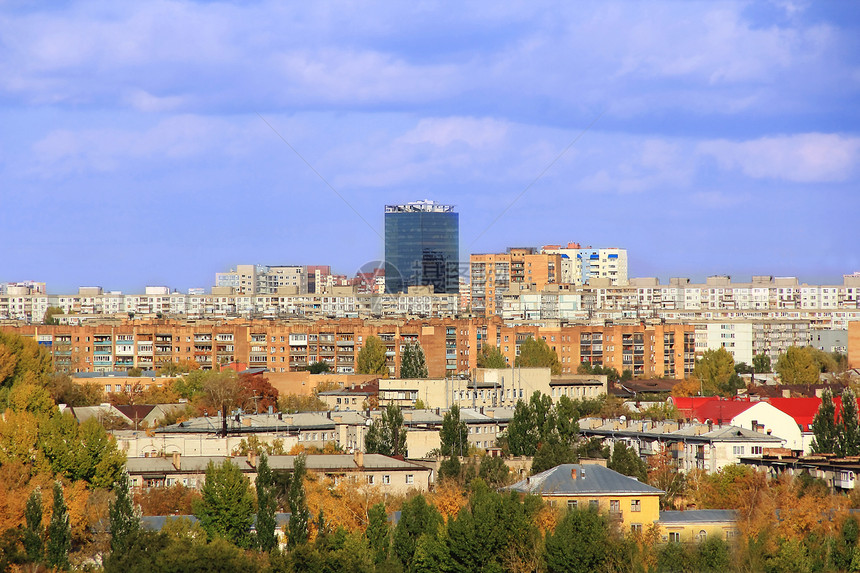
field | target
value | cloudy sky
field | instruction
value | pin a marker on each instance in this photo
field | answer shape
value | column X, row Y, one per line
column 160, row 142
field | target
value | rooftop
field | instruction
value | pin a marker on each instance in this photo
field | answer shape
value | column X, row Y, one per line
column 578, row 479
column 423, row 206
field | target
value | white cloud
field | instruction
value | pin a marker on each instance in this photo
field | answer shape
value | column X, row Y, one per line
column 803, row 158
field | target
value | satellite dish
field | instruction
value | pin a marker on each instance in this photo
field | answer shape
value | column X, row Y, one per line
column 368, row 422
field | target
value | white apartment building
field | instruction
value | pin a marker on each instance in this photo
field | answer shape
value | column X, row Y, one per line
column 579, row 266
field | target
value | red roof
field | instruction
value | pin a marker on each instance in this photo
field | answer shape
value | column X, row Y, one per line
column 687, row 405
column 721, row 411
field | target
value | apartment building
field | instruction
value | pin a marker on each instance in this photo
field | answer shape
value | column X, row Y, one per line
column 451, row 345
column 492, row 275
column 262, row 279
column 580, row 265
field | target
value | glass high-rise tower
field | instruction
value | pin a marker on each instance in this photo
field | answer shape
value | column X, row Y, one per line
column 422, row 247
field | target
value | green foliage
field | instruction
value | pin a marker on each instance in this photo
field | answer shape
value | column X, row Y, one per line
column 412, row 362
column 300, row 515
column 479, row 537
column 494, row 471
column 824, row 429
column 227, row 505
column 491, row 357
column 135, row 372
column 378, row 532
column 761, row 363
column 598, row 370
column 551, row 454
column 537, row 353
column 716, row 369
column 81, row 452
column 417, row 517
column 124, row 520
column 266, row 505
column 50, row 313
column 319, row 367
column 34, row 532
column 59, row 532
column 744, row 368
column 454, row 435
column 387, row 436
column 625, row 461
column 545, row 431
column 371, row 357
column 626, row 375
column 798, row 366
column 151, row 551
column 578, row 543
column 848, row 434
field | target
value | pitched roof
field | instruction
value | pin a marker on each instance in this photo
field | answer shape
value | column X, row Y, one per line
column 803, row 410
column 720, row 411
column 699, row 516
column 579, row 479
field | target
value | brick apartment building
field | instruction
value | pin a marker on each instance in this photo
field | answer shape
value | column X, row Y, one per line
column 451, row 345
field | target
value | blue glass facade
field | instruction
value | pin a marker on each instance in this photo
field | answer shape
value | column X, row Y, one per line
column 422, row 247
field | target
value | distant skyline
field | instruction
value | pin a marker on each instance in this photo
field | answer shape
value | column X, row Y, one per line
column 136, row 146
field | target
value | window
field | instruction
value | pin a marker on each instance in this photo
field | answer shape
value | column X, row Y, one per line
column 614, row 506
column 592, row 504
column 370, row 480
column 756, row 450
column 674, row 537
column 571, row 504
column 386, row 480
column 635, row 505
column 738, row 450
column 703, row 535
column 636, row 527
column 409, row 478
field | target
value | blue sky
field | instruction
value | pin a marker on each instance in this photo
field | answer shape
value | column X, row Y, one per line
column 133, row 153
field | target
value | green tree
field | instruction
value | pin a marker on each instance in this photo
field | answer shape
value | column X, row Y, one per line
column 848, row 434
column 371, row 357
column 761, row 363
column 715, row 370
column 578, row 543
column 626, row 375
column 300, row 515
column 494, row 471
column 387, row 436
column 80, row 452
column 319, row 367
column 266, row 505
column 797, row 366
column 598, row 370
column 413, row 364
column 825, row 433
column 34, row 531
column 522, row 436
column 744, row 368
column 417, row 517
column 226, row 508
column 59, row 532
column 625, row 461
column 50, row 312
column 378, row 532
column 491, row 357
column 454, row 435
column 537, row 353
column 551, row 454
column 124, row 520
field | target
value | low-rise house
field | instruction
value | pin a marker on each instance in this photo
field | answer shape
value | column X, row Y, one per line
column 840, row 474
column 390, row 475
column 630, row 503
column 697, row 525
column 691, row 445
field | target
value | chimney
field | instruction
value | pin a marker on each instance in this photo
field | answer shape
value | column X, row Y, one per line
column 359, row 459
column 176, row 462
column 252, row 458
column 573, row 474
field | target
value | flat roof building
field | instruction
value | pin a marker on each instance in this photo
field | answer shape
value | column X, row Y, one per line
column 422, row 247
